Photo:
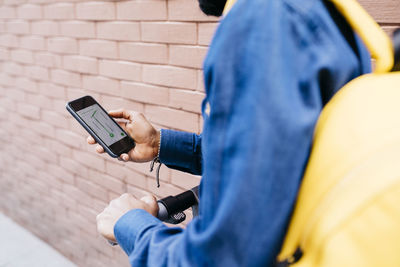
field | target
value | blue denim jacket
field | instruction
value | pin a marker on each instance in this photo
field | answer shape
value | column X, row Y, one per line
column 270, row 69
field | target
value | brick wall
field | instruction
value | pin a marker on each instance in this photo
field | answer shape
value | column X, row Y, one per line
column 385, row 12
column 144, row 55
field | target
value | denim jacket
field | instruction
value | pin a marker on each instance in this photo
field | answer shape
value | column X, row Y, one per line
column 270, row 69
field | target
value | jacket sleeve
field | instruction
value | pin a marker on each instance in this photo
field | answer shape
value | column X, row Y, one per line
column 181, row 151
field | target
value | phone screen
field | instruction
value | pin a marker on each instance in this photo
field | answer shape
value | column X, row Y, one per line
column 104, row 127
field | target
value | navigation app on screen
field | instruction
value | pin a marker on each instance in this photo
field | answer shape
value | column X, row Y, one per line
column 101, row 124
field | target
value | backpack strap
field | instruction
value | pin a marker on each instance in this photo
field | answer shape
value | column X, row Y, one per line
column 378, row 43
column 381, row 48
column 228, row 6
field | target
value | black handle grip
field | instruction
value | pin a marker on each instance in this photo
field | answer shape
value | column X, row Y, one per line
column 171, row 208
column 180, row 202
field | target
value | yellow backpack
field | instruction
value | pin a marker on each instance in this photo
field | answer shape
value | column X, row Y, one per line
column 348, row 208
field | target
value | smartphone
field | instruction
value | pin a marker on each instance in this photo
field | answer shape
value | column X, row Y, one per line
column 101, row 126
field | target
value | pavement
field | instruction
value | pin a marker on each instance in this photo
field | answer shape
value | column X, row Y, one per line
column 20, row 248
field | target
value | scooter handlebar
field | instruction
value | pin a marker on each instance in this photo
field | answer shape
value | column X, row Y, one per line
column 170, row 209
column 174, row 204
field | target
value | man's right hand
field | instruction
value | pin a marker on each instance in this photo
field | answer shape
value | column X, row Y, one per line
column 146, row 137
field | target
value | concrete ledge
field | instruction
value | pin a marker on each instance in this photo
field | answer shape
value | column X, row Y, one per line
column 20, row 248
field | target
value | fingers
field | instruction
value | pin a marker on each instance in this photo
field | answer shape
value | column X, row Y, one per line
column 122, row 124
column 99, row 149
column 152, row 206
column 149, row 199
column 91, row 140
column 124, row 157
column 122, row 113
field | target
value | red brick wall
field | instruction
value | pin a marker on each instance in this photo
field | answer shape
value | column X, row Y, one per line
column 144, row 55
column 386, row 12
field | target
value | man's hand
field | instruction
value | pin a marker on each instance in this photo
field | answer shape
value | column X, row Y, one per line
column 146, row 137
column 107, row 219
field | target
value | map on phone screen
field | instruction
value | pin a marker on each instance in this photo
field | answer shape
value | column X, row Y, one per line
column 104, row 127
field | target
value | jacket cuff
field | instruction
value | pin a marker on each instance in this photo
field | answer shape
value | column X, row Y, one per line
column 131, row 226
column 176, row 148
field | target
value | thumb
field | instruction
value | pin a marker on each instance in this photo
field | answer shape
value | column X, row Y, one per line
column 149, row 200
column 152, row 204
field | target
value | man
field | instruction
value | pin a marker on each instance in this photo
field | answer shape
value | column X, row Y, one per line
column 270, row 69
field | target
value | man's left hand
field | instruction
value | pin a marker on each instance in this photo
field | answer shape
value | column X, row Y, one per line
column 107, row 219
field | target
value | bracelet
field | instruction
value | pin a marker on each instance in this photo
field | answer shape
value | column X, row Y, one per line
column 157, row 160
column 159, row 145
